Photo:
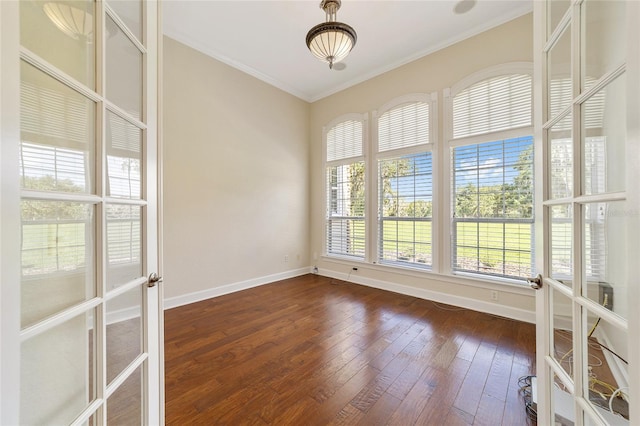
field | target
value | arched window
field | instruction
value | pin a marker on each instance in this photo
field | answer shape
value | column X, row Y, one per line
column 345, row 186
column 490, row 141
column 405, row 180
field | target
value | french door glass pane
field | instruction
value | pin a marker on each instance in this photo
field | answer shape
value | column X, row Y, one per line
column 57, row 369
column 604, row 137
column 124, row 406
column 560, row 159
column 58, row 258
column 556, row 10
column 562, row 403
column 124, row 254
column 561, row 243
column 123, row 71
column 124, row 153
column 605, row 36
column 56, row 133
column 607, row 373
column 130, row 11
column 64, row 35
column 562, row 334
column 124, row 331
column 604, row 254
column 559, row 94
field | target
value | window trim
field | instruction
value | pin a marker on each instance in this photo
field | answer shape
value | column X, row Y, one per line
column 446, row 196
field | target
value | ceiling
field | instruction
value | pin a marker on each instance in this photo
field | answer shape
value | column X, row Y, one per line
column 266, row 39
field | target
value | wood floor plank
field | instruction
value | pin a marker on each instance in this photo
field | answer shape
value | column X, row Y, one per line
column 514, row 411
column 380, row 411
column 370, row 394
column 412, row 405
column 330, row 408
column 489, row 412
column 349, row 415
column 496, row 386
column 471, row 390
column 457, row 417
column 444, row 385
column 315, row 351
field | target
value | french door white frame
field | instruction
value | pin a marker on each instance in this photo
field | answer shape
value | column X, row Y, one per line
column 545, row 364
column 9, row 213
column 10, row 195
column 633, row 199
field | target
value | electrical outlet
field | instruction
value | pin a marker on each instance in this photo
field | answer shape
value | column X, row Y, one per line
column 494, row 295
column 605, row 296
column 286, row 258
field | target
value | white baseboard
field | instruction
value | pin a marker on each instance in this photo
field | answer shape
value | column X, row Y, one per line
column 174, row 302
column 450, row 299
column 476, row 305
column 123, row 315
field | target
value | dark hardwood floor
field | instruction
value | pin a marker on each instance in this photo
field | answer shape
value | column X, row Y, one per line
column 316, row 351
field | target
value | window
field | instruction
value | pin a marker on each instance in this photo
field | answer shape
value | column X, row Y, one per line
column 405, row 184
column 56, row 237
column 491, row 157
column 55, row 154
column 54, row 234
column 345, row 183
column 492, row 227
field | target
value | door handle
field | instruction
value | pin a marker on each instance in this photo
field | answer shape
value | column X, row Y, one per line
column 153, row 279
column 535, row 283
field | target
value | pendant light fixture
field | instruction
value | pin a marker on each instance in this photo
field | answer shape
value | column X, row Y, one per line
column 74, row 22
column 331, row 41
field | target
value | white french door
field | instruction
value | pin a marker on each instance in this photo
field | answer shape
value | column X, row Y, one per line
column 87, row 308
column 587, row 142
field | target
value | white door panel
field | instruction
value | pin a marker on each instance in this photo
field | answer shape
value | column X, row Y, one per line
column 585, row 309
column 83, row 185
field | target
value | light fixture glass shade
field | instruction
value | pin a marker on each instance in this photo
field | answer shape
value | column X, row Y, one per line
column 74, row 22
column 331, row 41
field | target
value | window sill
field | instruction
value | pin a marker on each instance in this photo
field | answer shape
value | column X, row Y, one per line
column 460, row 278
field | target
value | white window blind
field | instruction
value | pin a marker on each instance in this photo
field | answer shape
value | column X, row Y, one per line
column 595, row 216
column 493, row 208
column 344, row 140
column 405, row 209
column 47, row 168
column 404, row 126
column 405, row 186
column 56, row 237
column 491, row 105
column 123, row 234
column 124, row 146
column 52, row 113
column 345, row 219
column 560, row 96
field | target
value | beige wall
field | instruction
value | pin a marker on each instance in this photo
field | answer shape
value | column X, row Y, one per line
column 243, row 178
column 236, row 176
column 510, row 42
